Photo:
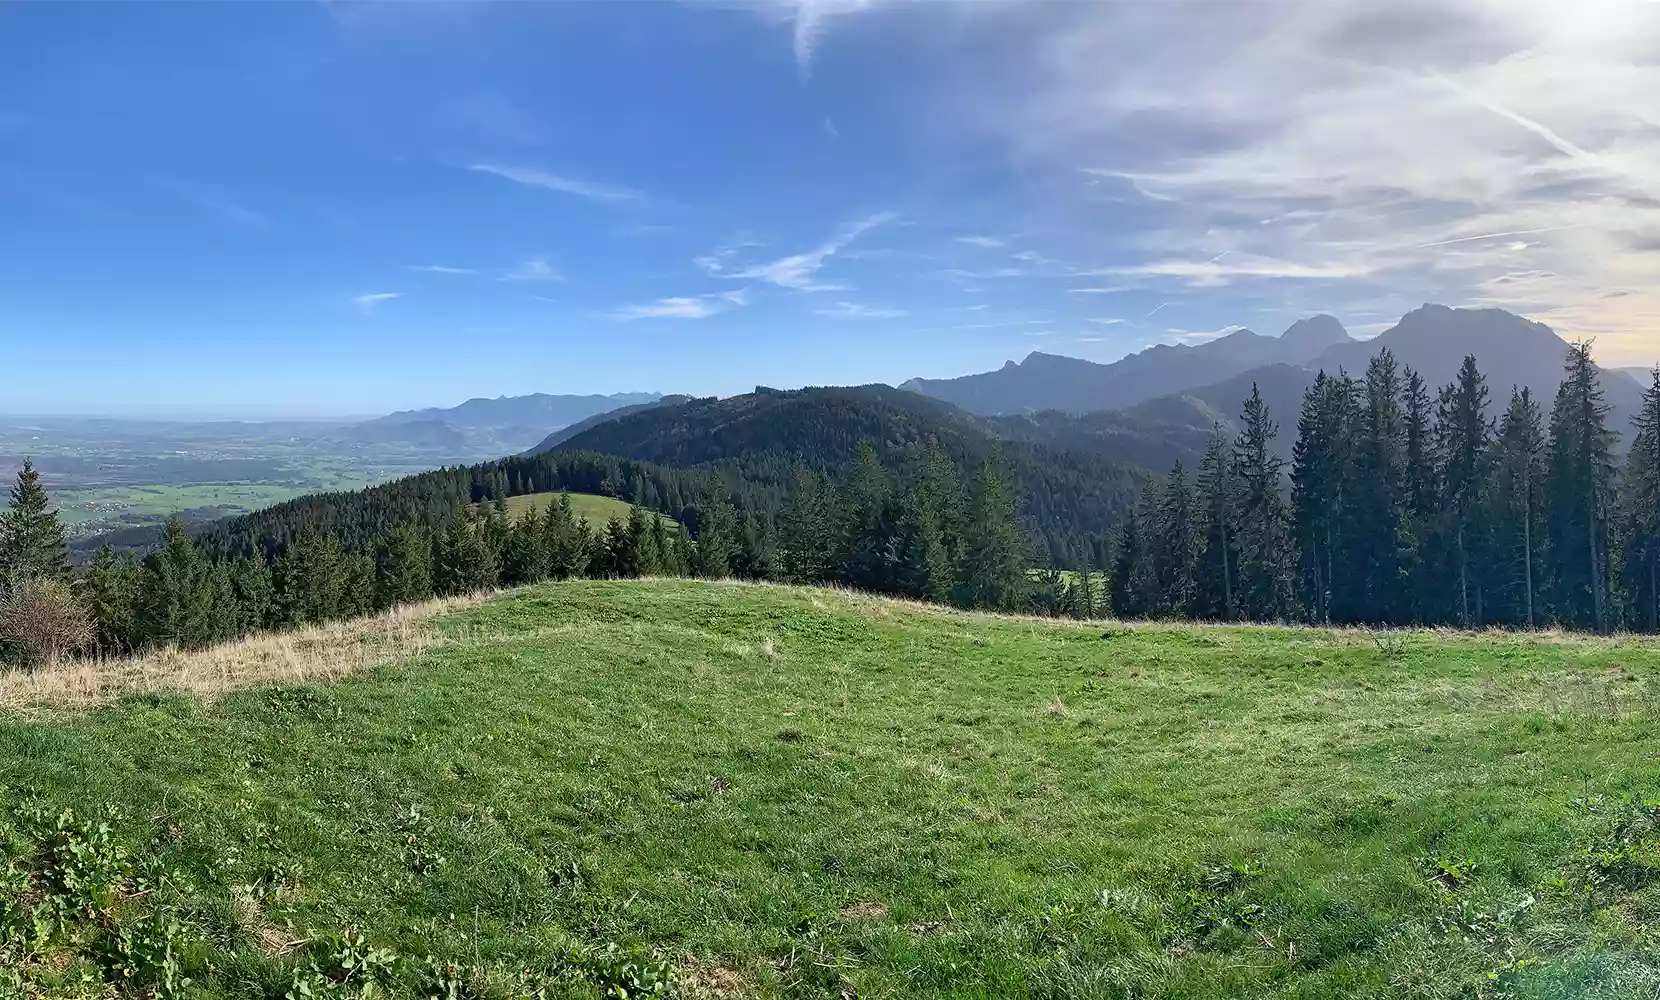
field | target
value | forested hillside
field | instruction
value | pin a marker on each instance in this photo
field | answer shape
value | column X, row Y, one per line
column 759, row 439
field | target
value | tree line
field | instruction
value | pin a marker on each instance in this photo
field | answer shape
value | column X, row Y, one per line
column 1403, row 509
column 919, row 529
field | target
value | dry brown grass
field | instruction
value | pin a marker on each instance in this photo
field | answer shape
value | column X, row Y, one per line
column 315, row 652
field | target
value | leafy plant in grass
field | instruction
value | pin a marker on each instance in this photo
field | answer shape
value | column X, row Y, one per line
column 65, row 904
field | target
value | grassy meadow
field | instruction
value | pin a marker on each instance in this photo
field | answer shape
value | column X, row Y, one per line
column 690, row 789
column 594, row 509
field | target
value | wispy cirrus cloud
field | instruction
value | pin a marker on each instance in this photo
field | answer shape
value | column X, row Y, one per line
column 442, row 269
column 533, row 269
column 797, row 271
column 983, row 242
column 684, row 306
column 534, row 177
column 369, row 302
column 853, row 310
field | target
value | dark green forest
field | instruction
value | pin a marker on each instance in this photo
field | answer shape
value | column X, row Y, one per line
column 1399, row 506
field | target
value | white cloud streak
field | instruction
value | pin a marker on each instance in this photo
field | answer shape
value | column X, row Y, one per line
column 796, row 271
column 853, row 310
column 533, row 269
column 534, row 177
column 684, row 306
column 367, row 303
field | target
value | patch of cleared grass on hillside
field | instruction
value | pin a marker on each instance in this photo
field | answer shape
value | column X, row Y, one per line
column 767, row 791
column 594, row 509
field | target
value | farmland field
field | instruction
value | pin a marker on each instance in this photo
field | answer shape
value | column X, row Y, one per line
column 726, row 790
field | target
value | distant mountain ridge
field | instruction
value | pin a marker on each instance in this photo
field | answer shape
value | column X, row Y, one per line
column 1433, row 339
column 1054, row 382
column 519, row 411
column 564, row 434
column 486, row 428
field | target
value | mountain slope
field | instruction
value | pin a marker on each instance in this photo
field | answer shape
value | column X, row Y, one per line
column 538, row 409
column 1071, row 495
column 483, row 428
column 1047, row 381
column 1202, row 408
column 564, row 434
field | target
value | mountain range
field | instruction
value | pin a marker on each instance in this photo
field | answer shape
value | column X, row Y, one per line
column 481, row 427
column 1053, row 382
column 1202, row 385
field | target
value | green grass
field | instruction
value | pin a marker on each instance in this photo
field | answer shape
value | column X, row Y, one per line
column 791, row 792
column 594, row 509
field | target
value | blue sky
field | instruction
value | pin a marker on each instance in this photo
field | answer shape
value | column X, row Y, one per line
column 272, row 209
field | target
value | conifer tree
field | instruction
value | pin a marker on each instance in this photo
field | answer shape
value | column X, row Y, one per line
column 566, row 555
column 805, row 532
column 620, row 559
column 1419, row 473
column 111, row 590
column 403, row 565
column 176, row 606
column 1640, row 514
column 523, row 559
column 1218, row 563
column 1371, row 587
column 867, row 545
column 1579, row 490
column 1175, row 545
column 1516, row 509
column 358, row 595
column 1462, row 436
column 225, row 615
column 1132, row 586
column 254, row 591
column 717, row 532
column 929, row 525
column 994, row 551
column 31, row 538
column 311, row 580
column 1263, row 531
column 1319, row 468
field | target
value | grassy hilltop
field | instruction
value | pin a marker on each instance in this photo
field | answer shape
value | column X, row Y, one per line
column 713, row 790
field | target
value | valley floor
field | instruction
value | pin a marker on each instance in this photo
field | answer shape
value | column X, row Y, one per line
column 683, row 788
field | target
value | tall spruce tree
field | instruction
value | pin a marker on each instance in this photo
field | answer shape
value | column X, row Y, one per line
column 403, row 565
column 1218, row 559
column 1263, row 531
column 1516, row 510
column 805, row 532
column 1319, row 468
column 1371, row 587
column 111, row 589
column 1133, row 589
column 717, row 536
column 1579, row 490
column 1640, row 515
column 930, row 512
column 311, row 580
column 1462, row 437
column 868, row 546
column 254, row 590
column 994, row 549
column 1175, row 545
column 177, row 603
column 31, row 537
